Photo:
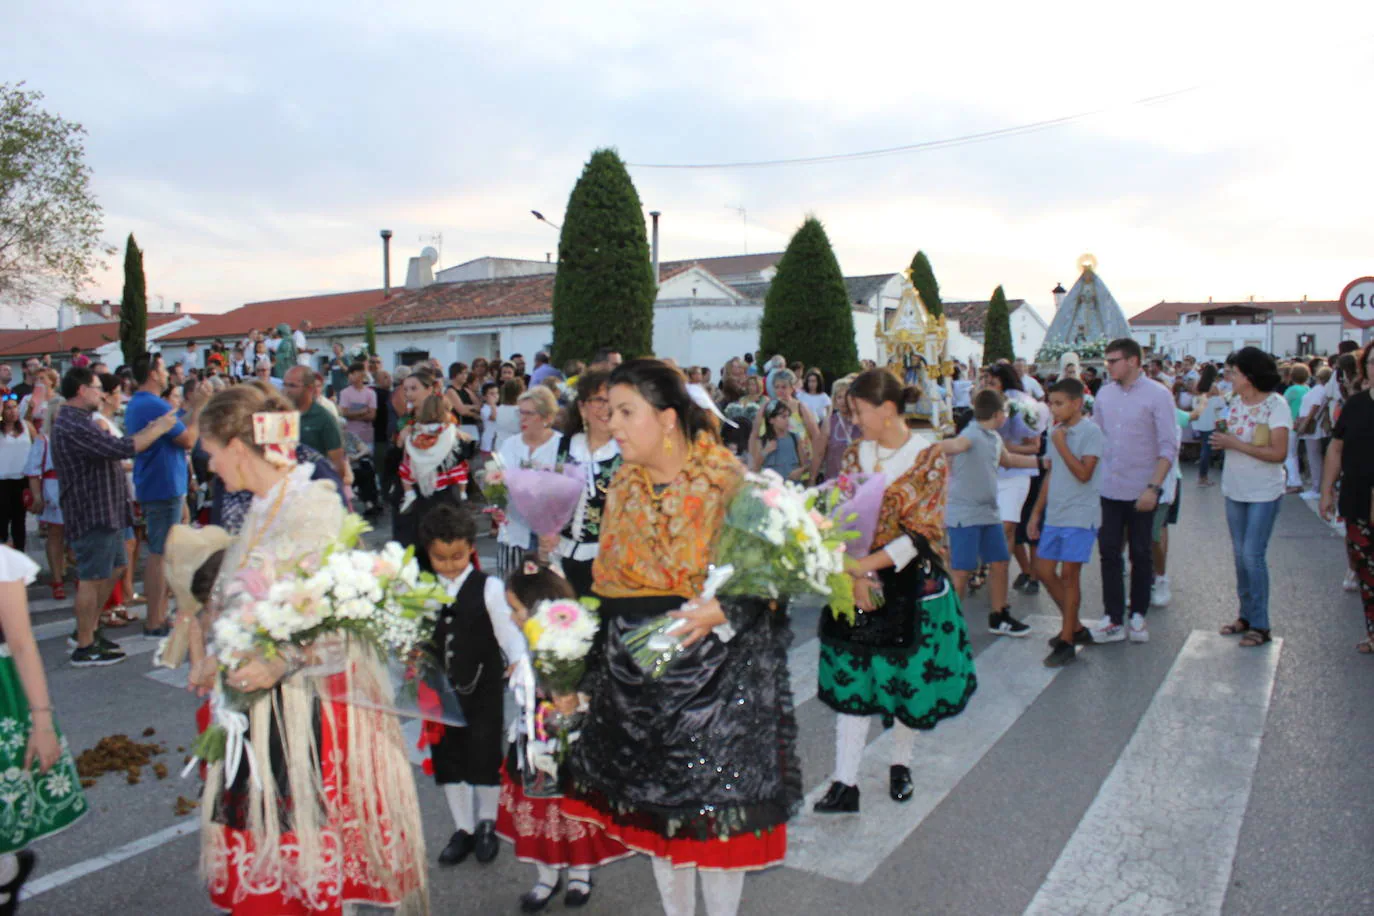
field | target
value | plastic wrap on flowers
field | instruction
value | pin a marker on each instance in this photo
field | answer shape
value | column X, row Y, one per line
column 544, row 500
column 861, row 501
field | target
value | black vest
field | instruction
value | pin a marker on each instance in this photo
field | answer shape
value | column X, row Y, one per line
column 465, row 642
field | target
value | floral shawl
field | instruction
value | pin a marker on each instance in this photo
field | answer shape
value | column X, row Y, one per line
column 914, row 502
column 660, row 543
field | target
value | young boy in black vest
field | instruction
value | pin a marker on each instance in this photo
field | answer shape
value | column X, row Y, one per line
column 475, row 642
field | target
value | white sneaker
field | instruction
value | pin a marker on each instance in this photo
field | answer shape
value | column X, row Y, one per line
column 1138, row 631
column 1159, row 592
column 1309, row 494
column 1350, row 583
column 1109, row 632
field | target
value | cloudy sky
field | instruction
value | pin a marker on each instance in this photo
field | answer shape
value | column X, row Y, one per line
column 256, row 148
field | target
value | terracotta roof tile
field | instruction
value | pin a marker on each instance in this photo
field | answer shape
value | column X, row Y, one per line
column 731, row 266
column 971, row 315
column 466, row 299
column 1167, row 313
column 85, row 336
column 328, row 310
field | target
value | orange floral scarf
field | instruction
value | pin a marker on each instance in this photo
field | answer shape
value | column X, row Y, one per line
column 660, row 543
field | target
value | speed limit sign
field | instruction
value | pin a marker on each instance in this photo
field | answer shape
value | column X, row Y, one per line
column 1357, row 302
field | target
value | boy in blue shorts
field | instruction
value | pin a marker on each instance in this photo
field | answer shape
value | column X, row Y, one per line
column 1071, row 507
column 972, row 521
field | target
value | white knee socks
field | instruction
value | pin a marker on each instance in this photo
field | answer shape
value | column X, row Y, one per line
column 461, row 800
column 850, row 734
column 677, row 888
column 903, row 744
column 721, row 890
column 9, row 868
column 547, row 875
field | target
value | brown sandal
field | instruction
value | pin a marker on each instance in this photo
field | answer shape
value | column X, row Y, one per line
column 1255, row 638
column 1238, row 628
column 1365, row 647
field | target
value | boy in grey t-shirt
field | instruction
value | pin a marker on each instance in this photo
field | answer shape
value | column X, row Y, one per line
column 1071, row 506
column 972, row 522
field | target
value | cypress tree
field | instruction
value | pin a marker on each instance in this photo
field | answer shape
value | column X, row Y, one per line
column 133, row 305
column 370, row 336
column 923, row 278
column 807, row 314
column 997, row 330
column 604, row 291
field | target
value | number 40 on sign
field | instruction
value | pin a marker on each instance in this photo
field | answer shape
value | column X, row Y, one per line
column 1357, row 302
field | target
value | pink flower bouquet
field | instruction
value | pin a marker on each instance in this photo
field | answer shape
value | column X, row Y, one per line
column 545, row 500
column 856, row 507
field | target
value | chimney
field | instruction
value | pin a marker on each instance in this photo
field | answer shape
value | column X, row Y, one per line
column 176, row 308
column 386, row 263
column 548, row 257
column 105, row 308
column 655, row 215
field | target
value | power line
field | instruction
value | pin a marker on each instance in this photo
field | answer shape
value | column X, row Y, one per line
column 946, row 143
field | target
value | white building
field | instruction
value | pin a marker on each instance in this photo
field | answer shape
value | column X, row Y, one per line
column 966, row 325
column 1211, row 330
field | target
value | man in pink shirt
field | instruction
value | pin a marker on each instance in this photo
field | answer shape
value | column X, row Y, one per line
column 358, row 403
column 1137, row 416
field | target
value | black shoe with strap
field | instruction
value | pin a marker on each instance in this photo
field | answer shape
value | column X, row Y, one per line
column 579, row 892
column 900, row 786
column 839, row 799
column 25, row 859
column 538, row 897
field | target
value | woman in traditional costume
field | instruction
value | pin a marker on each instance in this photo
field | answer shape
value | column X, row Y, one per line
column 906, row 656
column 697, row 768
column 34, row 803
column 586, row 442
column 316, row 809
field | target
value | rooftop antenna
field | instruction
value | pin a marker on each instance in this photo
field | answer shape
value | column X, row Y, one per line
column 744, row 218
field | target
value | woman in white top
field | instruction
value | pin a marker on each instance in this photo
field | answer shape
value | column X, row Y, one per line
column 1252, row 481
column 1312, row 406
column 42, row 474
column 536, row 446
column 813, row 395
column 508, row 412
column 16, row 439
column 1206, row 409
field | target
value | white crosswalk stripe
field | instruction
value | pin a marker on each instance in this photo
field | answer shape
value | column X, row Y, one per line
column 849, row 848
column 1161, row 835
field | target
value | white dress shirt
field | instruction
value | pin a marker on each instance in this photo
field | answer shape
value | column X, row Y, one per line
column 508, row 635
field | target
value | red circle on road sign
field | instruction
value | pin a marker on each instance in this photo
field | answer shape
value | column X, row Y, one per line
column 1357, row 302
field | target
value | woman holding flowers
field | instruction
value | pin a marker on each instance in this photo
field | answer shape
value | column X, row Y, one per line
column 905, row 655
column 696, row 768
column 535, row 447
column 586, row 442
column 313, row 805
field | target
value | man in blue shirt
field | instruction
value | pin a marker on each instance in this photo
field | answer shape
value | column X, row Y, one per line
column 160, row 474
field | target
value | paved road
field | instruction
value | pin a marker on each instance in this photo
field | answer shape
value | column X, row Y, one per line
column 1182, row 776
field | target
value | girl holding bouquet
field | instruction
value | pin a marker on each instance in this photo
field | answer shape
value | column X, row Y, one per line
column 587, row 442
column 434, row 466
column 696, row 768
column 535, row 447
column 315, row 808
column 906, row 655
column 535, row 825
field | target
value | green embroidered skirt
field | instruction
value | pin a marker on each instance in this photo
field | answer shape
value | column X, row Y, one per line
column 32, row 804
column 920, row 676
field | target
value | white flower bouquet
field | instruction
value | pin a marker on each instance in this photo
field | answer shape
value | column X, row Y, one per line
column 560, row 635
column 774, row 543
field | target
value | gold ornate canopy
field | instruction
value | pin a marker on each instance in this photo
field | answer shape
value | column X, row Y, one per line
column 913, row 346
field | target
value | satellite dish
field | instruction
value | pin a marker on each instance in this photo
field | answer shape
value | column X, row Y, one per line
column 1087, row 262
column 429, row 255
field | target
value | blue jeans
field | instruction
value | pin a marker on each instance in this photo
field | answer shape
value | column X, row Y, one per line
column 1204, row 455
column 1251, row 524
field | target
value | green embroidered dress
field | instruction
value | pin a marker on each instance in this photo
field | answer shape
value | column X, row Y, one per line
column 909, row 660
column 32, row 804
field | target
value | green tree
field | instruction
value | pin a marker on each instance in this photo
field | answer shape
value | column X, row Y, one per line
column 807, row 314
column 604, row 291
column 133, row 306
column 370, row 336
column 997, row 330
column 49, row 220
column 923, row 278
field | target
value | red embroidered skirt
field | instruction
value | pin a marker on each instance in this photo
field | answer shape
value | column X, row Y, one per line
column 349, row 876
column 746, row 852
column 540, row 832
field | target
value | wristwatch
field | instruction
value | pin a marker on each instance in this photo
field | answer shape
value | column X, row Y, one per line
column 1157, row 488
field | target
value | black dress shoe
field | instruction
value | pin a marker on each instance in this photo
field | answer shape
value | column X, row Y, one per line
column 900, row 786
column 538, row 897
column 487, row 843
column 26, row 860
column 839, row 799
column 579, row 892
column 459, row 847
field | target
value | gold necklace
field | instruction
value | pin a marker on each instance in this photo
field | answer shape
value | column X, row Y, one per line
column 879, row 457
